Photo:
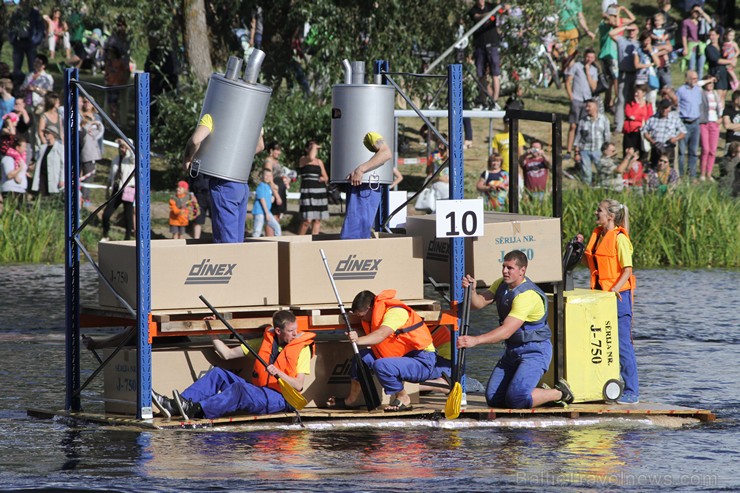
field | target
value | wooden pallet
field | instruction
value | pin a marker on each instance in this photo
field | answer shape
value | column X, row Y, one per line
column 191, row 321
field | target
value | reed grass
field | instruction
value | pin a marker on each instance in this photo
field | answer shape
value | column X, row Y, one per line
column 695, row 226
column 33, row 233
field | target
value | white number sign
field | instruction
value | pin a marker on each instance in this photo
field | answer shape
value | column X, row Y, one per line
column 459, row 218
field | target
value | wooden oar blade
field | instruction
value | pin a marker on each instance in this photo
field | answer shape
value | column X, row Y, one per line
column 291, row 395
column 454, row 402
column 365, row 379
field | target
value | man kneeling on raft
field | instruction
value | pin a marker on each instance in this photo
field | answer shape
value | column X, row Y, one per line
column 522, row 310
column 220, row 392
column 401, row 348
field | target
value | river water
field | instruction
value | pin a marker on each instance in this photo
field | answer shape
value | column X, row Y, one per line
column 687, row 339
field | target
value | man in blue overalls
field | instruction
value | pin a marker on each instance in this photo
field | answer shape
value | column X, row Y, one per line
column 522, row 310
column 363, row 199
column 228, row 198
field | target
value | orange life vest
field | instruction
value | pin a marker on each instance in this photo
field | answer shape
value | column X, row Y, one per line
column 442, row 338
column 285, row 360
column 413, row 335
column 603, row 262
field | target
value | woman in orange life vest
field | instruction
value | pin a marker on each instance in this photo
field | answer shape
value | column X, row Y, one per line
column 401, row 347
column 220, row 392
column 609, row 258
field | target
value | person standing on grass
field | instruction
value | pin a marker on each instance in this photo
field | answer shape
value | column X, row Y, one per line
column 261, row 209
column 580, row 81
column 709, row 116
column 314, row 202
column 593, row 130
column 179, row 210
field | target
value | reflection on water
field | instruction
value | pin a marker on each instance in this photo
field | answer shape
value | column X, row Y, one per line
column 687, row 340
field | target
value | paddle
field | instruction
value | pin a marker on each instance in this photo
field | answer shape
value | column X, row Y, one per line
column 291, row 395
column 369, row 392
column 454, row 400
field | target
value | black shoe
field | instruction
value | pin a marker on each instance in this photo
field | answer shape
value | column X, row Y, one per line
column 163, row 404
column 564, row 389
column 188, row 409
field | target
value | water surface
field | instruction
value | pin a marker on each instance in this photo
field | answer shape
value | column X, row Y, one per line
column 688, row 344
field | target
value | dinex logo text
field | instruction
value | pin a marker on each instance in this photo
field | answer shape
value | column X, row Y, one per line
column 208, row 273
column 439, row 250
column 353, row 268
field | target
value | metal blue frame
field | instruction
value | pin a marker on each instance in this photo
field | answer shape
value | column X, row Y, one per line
column 457, row 192
column 74, row 246
column 143, row 249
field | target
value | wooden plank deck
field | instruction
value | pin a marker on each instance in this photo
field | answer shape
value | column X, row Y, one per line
column 430, row 408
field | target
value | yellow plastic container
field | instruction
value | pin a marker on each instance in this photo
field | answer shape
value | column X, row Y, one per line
column 591, row 345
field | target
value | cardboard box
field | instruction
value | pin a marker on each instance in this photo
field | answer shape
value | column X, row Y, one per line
column 389, row 262
column 178, row 367
column 330, row 375
column 227, row 274
column 172, row 368
column 538, row 237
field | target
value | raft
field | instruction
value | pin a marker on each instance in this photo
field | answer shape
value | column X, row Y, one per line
column 429, row 412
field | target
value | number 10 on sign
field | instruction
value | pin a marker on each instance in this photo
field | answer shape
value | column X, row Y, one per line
column 459, row 218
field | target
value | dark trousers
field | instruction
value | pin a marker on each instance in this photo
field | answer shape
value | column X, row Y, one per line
column 21, row 50
column 128, row 215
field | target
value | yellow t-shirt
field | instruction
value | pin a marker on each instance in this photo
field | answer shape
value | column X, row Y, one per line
column 395, row 318
column 207, row 121
column 527, row 306
column 304, row 358
column 624, row 251
column 501, row 145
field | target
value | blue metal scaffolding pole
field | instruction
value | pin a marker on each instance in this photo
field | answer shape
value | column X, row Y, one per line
column 143, row 249
column 457, row 192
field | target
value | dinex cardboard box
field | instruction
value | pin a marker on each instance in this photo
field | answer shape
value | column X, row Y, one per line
column 388, row 262
column 227, row 274
column 330, row 375
column 538, row 237
column 172, row 368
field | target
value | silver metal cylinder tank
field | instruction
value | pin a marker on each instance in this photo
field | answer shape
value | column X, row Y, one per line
column 238, row 109
column 356, row 110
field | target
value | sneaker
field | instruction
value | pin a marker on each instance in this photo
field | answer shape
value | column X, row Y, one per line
column 104, row 239
column 163, row 404
column 188, row 409
column 564, row 389
column 567, row 156
column 628, row 399
column 495, row 106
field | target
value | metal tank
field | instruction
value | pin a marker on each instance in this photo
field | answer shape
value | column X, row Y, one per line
column 359, row 108
column 238, row 108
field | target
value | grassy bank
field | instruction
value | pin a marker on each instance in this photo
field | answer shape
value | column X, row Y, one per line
column 696, row 226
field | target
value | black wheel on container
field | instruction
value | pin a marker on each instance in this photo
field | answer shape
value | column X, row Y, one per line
column 612, row 390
